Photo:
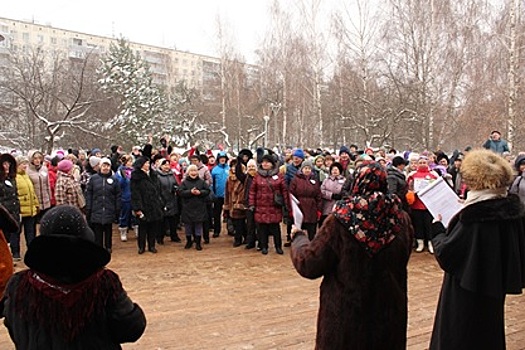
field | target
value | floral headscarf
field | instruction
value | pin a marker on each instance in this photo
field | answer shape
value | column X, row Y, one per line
column 370, row 213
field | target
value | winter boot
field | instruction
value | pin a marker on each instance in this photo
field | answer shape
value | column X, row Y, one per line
column 430, row 247
column 123, row 233
column 189, row 242
column 136, row 230
column 198, row 243
column 420, row 245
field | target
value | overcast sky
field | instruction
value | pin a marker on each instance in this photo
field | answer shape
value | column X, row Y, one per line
column 186, row 25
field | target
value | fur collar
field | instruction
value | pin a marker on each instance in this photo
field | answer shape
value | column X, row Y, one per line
column 493, row 209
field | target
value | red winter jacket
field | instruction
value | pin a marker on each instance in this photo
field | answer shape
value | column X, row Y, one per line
column 261, row 196
column 308, row 191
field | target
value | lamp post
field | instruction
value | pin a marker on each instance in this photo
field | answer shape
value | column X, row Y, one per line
column 266, row 120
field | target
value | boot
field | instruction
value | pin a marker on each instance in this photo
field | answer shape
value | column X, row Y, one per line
column 123, row 233
column 189, row 242
column 198, row 243
column 430, row 247
column 136, row 230
column 420, row 245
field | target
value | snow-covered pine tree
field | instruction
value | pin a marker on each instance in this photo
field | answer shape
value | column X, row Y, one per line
column 125, row 77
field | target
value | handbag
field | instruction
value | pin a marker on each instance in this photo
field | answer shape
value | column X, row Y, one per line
column 278, row 199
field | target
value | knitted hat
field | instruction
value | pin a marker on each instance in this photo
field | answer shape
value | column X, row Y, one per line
column 94, row 161
column 307, row 163
column 65, row 165
column 66, row 246
column 344, row 149
column 252, row 162
column 95, row 151
column 298, row 153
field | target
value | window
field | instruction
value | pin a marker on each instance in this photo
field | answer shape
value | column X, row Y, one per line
column 53, row 40
column 25, row 37
column 77, row 42
column 40, row 39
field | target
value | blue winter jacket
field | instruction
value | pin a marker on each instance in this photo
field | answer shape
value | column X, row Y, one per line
column 219, row 174
column 125, row 187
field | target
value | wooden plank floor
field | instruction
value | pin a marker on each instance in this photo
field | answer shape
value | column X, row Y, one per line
column 230, row 298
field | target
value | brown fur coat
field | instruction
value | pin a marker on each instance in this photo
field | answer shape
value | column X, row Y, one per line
column 363, row 299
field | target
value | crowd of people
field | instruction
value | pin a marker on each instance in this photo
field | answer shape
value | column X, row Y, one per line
column 361, row 219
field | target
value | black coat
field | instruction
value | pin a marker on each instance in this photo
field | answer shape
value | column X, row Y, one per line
column 103, row 199
column 9, row 197
column 193, row 207
column 145, row 195
column 397, row 184
column 168, row 187
column 483, row 255
column 115, row 319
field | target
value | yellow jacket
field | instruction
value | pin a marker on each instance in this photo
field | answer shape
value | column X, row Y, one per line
column 26, row 194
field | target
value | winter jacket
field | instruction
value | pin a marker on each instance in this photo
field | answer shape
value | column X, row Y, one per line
column 308, row 191
column 145, row 195
column 234, row 197
column 40, row 178
column 115, row 318
column 261, row 196
column 9, row 197
column 193, row 207
column 219, row 176
column 331, row 185
column 103, row 200
column 518, row 187
column 363, row 299
column 123, row 176
column 291, row 170
column 67, row 190
column 499, row 146
column 482, row 252
column 397, row 184
column 168, row 192
column 26, row 195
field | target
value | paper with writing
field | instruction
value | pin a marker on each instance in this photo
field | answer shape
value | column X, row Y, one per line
column 439, row 198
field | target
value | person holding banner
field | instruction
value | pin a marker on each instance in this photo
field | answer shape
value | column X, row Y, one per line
column 482, row 252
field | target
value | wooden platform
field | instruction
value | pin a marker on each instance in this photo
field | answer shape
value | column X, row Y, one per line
column 231, row 298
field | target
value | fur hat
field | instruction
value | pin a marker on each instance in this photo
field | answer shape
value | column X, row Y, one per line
column 66, row 246
column 519, row 160
column 483, row 169
column 338, row 166
column 105, row 160
column 268, row 158
column 139, row 163
column 252, row 162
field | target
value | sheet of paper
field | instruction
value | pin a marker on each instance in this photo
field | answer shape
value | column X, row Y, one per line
column 439, row 198
column 297, row 213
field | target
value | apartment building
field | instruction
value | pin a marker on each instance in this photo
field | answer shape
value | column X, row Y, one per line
column 168, row 66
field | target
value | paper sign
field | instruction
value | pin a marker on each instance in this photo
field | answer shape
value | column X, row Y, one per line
column 439, row 198
column 297, row 213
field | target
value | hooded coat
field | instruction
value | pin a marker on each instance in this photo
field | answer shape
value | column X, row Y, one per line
column 168, row 187
column 234, row 197
column 40, row 178
column 8, row 192
column 103, row 199
column 193, row 207
column 483, row 255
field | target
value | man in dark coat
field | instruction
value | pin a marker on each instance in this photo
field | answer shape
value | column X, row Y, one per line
column 483, row 255
column 146, row 203
column 397, row 183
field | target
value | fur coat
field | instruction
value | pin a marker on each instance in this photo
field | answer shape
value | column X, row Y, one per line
column 363, row 299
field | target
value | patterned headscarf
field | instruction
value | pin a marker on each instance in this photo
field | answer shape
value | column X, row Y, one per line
column 370, row 213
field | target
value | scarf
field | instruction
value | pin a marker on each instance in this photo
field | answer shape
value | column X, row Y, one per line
column 370, row 214
column 476, row 196
column 65, row 308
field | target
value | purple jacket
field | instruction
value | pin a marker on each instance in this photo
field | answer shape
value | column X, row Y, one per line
column 332, row 184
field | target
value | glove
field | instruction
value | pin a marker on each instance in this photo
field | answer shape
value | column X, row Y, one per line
column 318, row 215
column 226, row 214
column 336, row 196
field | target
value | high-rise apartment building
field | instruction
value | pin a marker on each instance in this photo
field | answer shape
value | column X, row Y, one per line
column 168, row 66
